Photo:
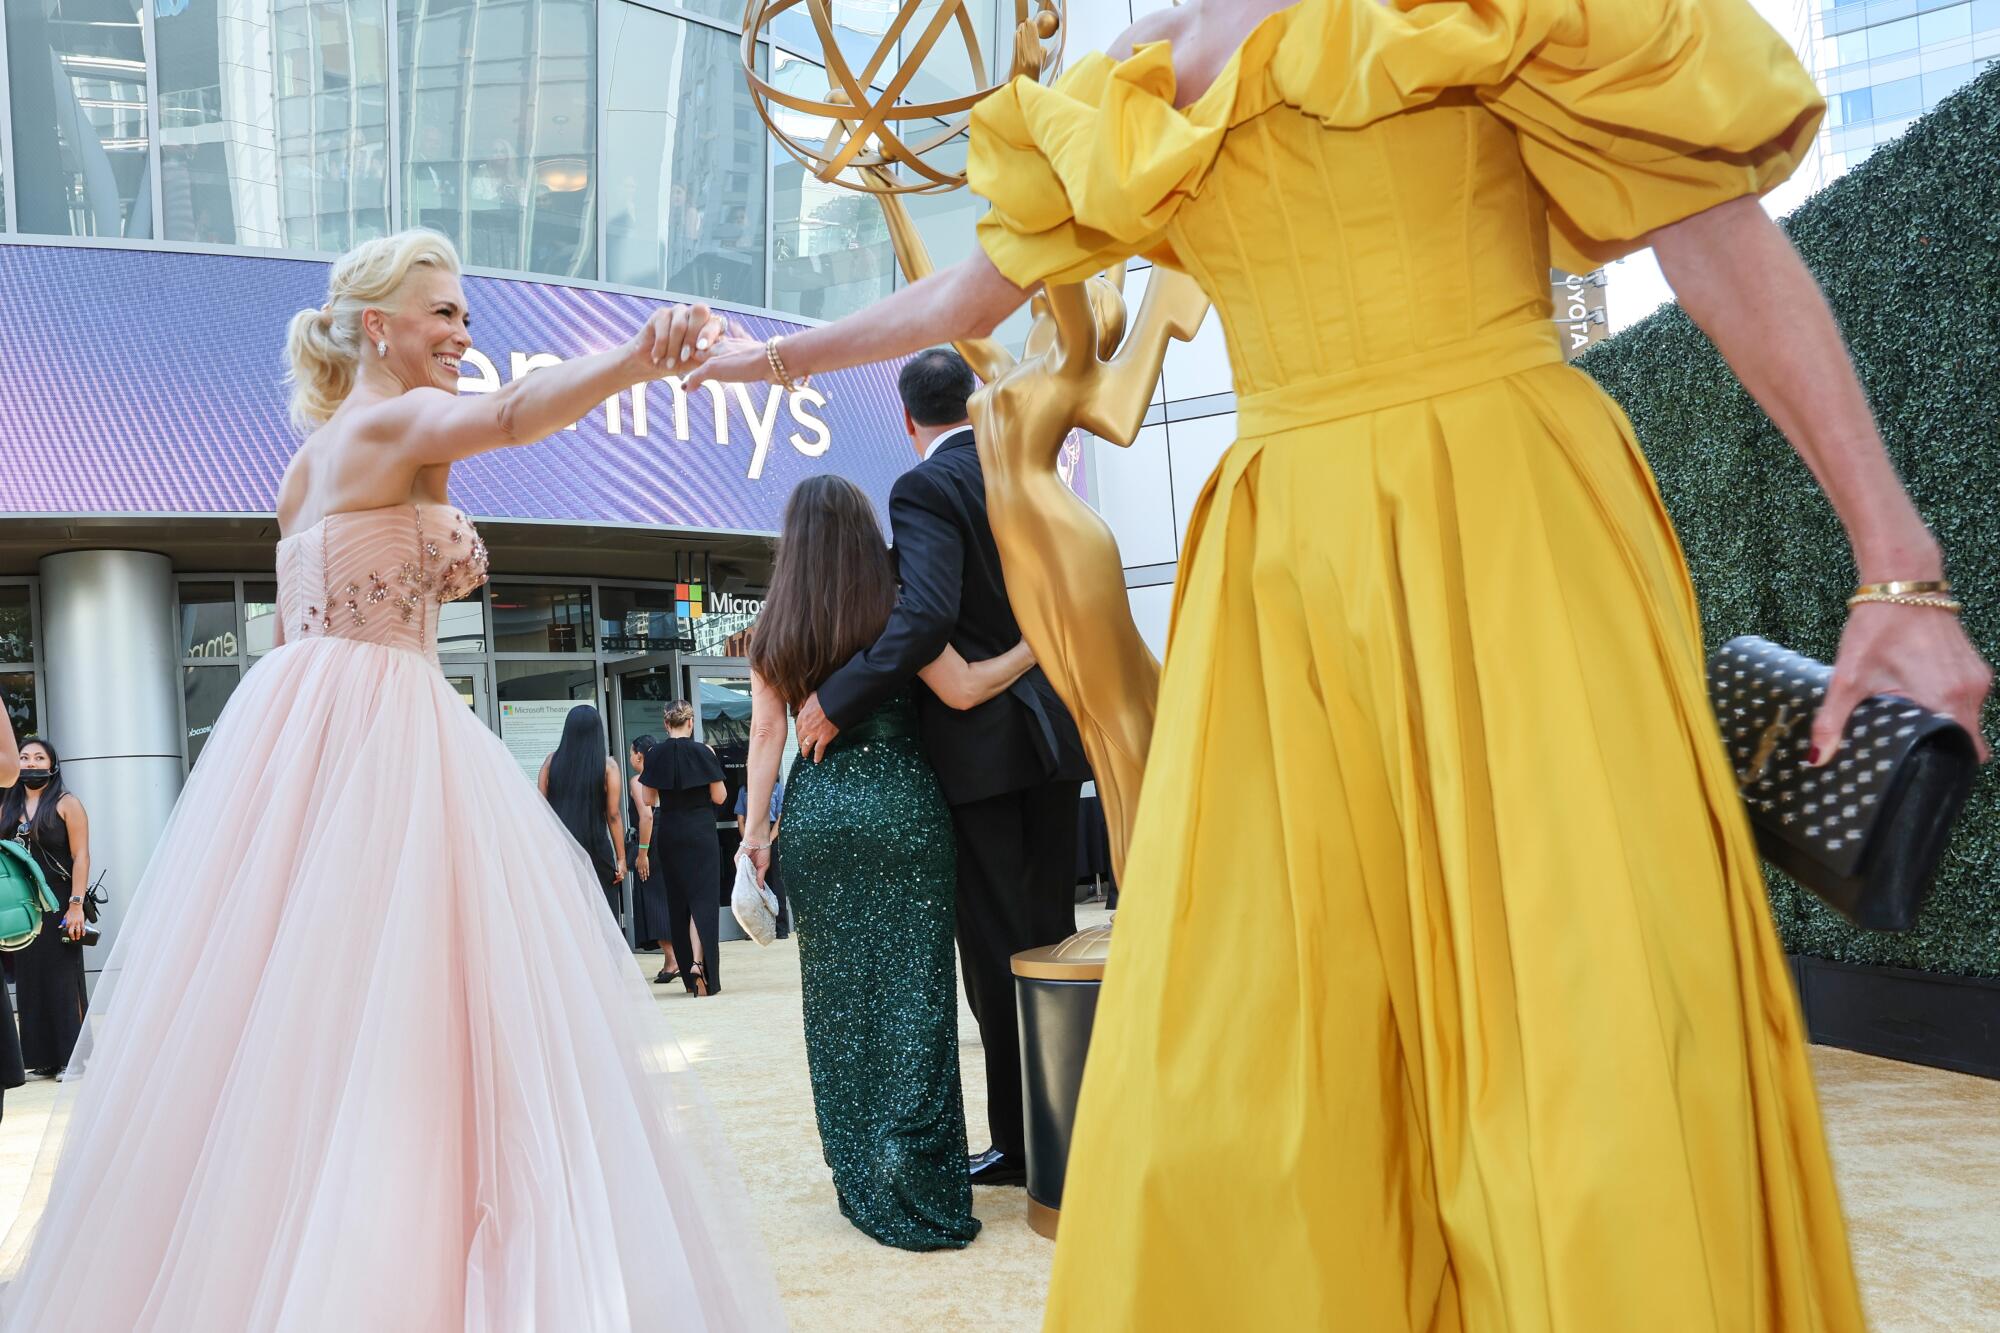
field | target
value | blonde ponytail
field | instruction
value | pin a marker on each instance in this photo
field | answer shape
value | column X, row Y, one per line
column 324, row 346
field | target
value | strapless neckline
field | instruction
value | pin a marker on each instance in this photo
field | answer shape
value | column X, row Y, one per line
column 417, row 507
column 378, row 575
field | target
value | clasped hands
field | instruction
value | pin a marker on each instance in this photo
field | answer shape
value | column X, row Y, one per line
column 696, row 343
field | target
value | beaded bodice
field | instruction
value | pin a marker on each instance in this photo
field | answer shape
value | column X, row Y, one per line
column 378, row 575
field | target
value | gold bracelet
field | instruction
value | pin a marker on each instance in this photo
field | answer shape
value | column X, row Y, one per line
column 1904, row 587
column 778, row 364
column 1934, row 601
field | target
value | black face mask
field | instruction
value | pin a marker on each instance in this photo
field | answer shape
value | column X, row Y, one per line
column 34, row 779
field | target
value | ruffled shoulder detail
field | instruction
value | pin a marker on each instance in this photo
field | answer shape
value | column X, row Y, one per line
column 1632, row 114
column 1089, row 171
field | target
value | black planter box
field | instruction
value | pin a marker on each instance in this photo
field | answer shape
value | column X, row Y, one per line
column 1923, row 1018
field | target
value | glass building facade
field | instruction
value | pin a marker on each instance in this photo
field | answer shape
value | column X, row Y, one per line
column 607, row 141
column 1883, row 63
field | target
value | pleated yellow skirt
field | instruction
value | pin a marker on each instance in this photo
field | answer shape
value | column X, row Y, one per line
column 1444, row 993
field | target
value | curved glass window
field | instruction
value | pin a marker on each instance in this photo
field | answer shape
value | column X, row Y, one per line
column 77, row 89
column 274, row 122
column 683, row 160
column 333, row 121
column 499, row 129
column 830, row 251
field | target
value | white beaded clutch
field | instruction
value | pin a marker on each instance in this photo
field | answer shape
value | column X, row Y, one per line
column 755, row 907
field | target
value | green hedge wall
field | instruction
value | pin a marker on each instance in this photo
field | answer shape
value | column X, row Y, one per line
column 1907, row 247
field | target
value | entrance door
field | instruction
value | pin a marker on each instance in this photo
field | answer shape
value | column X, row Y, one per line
column 720, row 690
column 640, row 688
column 470, row 685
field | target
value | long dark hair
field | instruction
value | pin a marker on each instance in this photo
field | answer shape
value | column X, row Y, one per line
column 47, row 823
column 832, row 588
column 576, row 776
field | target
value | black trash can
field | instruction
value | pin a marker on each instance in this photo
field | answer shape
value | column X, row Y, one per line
column 1055, row 994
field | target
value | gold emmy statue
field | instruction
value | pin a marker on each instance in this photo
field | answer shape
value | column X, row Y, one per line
column 1079, row 369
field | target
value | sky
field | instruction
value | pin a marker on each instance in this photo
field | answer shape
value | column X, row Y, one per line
column 1635, row 286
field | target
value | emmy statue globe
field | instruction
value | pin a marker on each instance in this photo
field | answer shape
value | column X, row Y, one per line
column 1084, row 365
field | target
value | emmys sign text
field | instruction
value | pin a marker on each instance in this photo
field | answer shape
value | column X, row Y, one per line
column 189, row 417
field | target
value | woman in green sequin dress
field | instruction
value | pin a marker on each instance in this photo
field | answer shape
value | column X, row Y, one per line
column 869, row 863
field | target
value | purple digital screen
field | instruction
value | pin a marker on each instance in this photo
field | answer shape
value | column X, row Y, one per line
column 151, row 382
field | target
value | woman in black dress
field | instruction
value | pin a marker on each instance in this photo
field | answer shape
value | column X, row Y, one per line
column 583, row 785
column 652, row 925
column 682, row 783
column 48, row 975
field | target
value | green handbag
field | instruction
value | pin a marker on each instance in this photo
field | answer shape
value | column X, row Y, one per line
column 24, row 897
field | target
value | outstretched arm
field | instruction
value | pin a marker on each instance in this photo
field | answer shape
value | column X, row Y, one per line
column 967, row 300
column 987, row 357
column 429, row 426
column 614, row 811
column 1739, row 278
column 10, row 749
column 760, row 772
column 962, row 684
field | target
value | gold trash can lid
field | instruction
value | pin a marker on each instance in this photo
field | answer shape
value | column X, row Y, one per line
column 1078, row 958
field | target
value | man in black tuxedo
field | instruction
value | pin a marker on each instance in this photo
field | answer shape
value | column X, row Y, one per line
column 1010, row 768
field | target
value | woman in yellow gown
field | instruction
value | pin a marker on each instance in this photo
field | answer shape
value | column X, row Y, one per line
column 1445, row 994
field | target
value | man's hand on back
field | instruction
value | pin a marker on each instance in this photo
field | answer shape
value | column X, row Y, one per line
column 816, row 730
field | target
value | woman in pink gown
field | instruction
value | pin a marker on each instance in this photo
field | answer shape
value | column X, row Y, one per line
column 368, row 1055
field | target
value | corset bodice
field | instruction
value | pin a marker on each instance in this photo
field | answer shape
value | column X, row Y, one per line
column 378, row 575
column 1331, row 256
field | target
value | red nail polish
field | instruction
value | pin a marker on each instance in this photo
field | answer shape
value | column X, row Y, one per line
column 1812, row 756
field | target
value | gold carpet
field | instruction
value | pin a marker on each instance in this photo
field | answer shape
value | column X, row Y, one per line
column 1917, row 1150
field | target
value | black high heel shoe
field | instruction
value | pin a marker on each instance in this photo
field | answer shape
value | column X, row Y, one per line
column 697, row 981
column 666, row 977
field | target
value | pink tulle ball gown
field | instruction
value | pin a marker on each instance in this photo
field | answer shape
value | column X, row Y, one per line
column 369, row 1054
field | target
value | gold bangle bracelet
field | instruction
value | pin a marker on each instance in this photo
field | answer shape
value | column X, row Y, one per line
column 1904, row 588
column 1931, row 600
column 778, row 364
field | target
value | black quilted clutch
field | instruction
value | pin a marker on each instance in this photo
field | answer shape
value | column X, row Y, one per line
column 1866, row 832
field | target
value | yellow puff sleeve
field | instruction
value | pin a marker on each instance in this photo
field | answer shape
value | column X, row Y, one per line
column 1631, row 114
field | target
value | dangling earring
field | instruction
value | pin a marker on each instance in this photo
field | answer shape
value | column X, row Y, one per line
column 381, row 347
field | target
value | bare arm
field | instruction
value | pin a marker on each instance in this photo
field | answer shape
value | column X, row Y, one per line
column 430, row 426
column 10, row 749
column 77, row 824
column 962, row 684
column 957, row 304
column 642, row 797
column 988, row 359
column 718, row 792
column 614, row 811
column 542, row 778
column 961, row 304
column 1739, row 278
column 767, row 746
